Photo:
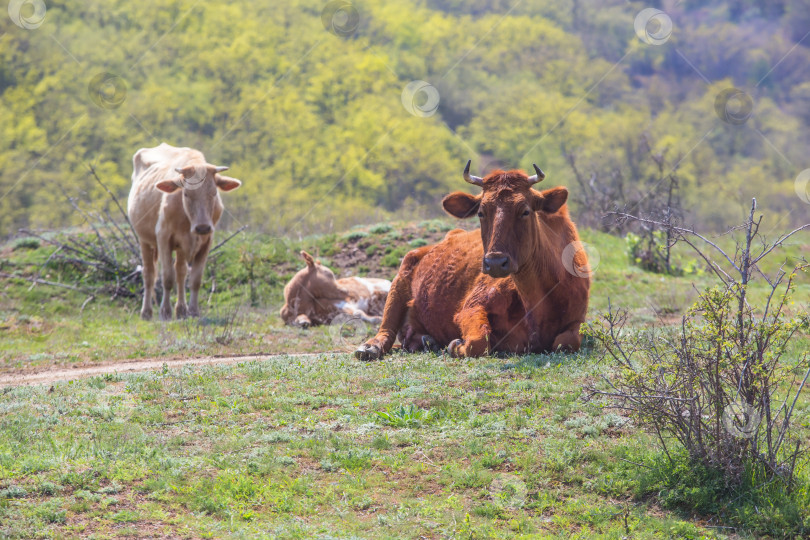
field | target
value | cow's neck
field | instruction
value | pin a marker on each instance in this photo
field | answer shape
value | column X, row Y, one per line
column 537, row 280
column 533, row 283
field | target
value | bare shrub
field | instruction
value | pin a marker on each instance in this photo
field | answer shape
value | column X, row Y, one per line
column 718, row 384
column 104, row 253
column 646, row 183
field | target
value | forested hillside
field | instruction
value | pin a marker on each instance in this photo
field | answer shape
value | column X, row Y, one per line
column 308, row 102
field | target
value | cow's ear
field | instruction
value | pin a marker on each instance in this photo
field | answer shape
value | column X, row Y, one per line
column 169, row 186
column 461, row 205
column 226, row 183
column 550, row 200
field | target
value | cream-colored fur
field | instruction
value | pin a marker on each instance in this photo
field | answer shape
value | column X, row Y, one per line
column 174, row 206
column 313, row 296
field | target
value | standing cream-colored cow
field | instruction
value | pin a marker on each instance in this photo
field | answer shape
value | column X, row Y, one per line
column 174, row 205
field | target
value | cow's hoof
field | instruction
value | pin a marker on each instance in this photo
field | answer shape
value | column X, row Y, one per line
column 454, row 349
column 368, row 352
column 193, row 312
column 165, row 315
column 146, row 315
column 181, row 312
column 429, row 344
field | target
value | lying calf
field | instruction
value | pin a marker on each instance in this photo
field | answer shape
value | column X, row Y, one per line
column 313, row 296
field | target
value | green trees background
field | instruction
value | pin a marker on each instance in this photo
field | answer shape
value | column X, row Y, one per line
column 314, row 124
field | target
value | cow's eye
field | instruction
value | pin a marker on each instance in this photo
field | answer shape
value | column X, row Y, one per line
column 526, row 213
column 480, row 214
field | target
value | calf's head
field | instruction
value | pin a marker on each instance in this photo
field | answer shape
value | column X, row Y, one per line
column 199, row 184
column 511, row 216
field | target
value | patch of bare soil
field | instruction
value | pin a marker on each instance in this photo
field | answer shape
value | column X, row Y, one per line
column 368, row 252
column 50, row 376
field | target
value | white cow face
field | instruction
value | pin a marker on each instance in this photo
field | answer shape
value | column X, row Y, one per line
column 199, row 184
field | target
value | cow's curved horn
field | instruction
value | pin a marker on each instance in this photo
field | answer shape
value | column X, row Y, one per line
column 472, row 179
column 533, row 179
column 221, row 168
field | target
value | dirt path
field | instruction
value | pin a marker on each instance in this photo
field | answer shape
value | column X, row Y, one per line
column 49, row 376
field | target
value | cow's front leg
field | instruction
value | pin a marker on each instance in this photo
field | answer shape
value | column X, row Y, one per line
column 149, row 255
column 167, row 269
column 396, row 308
column 180, row 271
column 569, row 340
column 475, row 333
column 195, row 278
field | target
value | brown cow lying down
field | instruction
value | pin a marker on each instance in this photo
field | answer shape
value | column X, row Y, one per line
column 313, row 296
column 504, row 288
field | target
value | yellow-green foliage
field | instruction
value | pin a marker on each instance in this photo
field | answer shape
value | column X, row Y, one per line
column 314, row 125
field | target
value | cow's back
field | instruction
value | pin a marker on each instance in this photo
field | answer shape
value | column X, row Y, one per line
column 368, row 294
column 442, row 280
column 150, row 166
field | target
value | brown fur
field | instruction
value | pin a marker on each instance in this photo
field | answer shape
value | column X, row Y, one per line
column 442, row 296
column 313, row 296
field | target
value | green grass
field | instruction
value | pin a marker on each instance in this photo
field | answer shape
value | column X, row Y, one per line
column 44, row 325
column 294, row 448
column 290, row 447
column 410, row 416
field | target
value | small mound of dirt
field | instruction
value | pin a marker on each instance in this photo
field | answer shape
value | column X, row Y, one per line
column 377, row 251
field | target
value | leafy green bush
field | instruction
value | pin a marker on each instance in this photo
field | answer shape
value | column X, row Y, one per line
column 380, row 228
column 650, row 253
column 435, row 225
column 354, row 236
column 13, row 492
column 25, row 243
column 407, row 417
column 394, row 257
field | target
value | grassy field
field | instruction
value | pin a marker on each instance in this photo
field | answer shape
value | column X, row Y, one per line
column 44, row 326
column 324, row 446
